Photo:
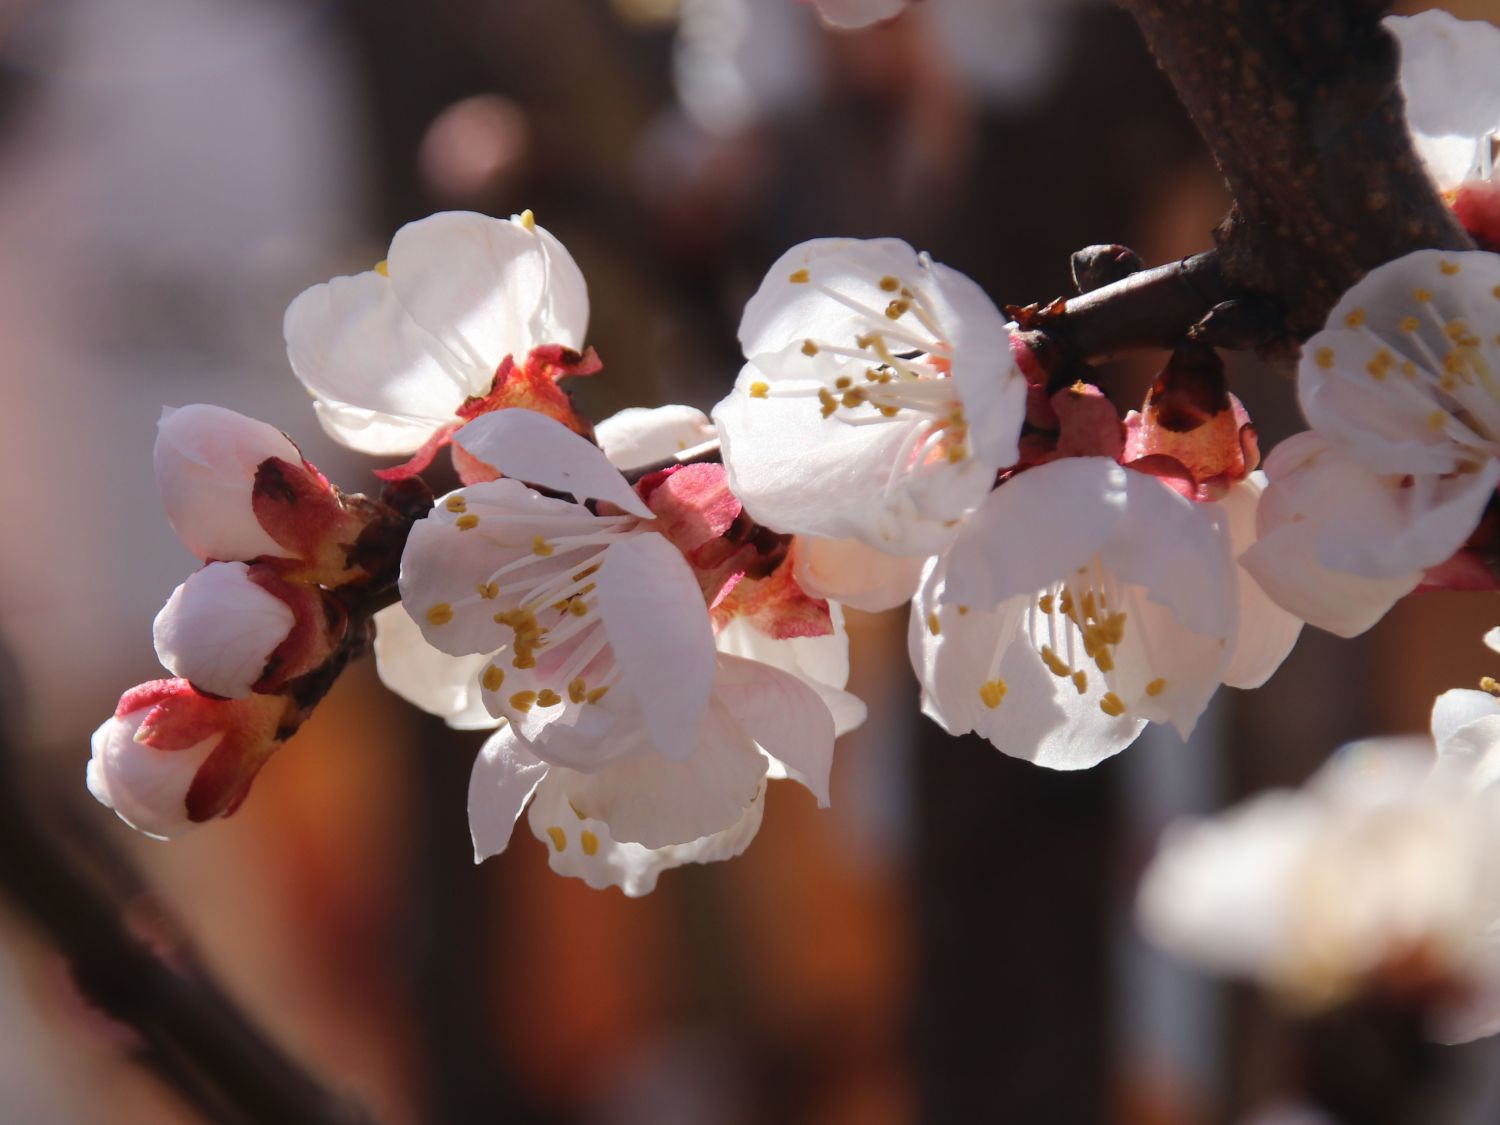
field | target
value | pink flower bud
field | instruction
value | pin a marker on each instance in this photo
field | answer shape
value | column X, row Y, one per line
column 219, row 629
column 170, row 758
column 205, row 460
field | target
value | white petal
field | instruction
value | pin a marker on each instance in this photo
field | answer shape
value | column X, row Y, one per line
column 1492, row 640
column 1266, row 633
column 852, row 14
column 219, row 628
column 1448, row 73
column 658, row 626
column 649, row 799
column 992, row 386
column 505, row 776
column 442, row 685
column 800, row 473
column 382, row 384
column 538, row 450
column 636, row 437
column 147, row 787
column 1038, row 527
column 820, row 662
column 205, row 460
column 1310, row 483
column 859, row 576
column 488, row 288
column 583, row 848
column 785, row 717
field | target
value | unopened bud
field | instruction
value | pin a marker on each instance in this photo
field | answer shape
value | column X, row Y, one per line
column 219, row 629
column 205, row 460
column 170, row 758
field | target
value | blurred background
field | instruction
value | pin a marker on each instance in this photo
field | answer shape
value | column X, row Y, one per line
column 952, row 941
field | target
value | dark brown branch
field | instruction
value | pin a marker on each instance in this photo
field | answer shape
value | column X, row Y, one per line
column 1299, row 104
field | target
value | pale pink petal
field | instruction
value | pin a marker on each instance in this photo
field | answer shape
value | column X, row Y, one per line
column 505, row 776
column 488, row 288
column 426, row 677
column 785, row 717
column 145, row 786
column 205, row 460
column 219, row 628
column 658, row 626
column 636, row 437
column 1266, row 633
column 855, row 574
column 533, row 448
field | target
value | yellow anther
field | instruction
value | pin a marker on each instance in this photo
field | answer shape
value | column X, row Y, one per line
column 890, row 411
column 1087, row 602
column 759, row 389
column 853, row 398
column 934, row 626
column 843, row 382
column 578, row 691
column 1437, row 420
column 1410, row 324
column 577, row 606
column 1487, row 683
column 963, row 611
column 896, row 309
column 1409, row 369
column 456, row 503
column 597, row 694
column 1114, row 628
column 889, row 284
column 827, row 401
column 1421, row 296
column 1156, row 687
column 809, row 347
column 440, row 614
column 1112, row 705
column 1104, row 661
column 523, row 700
column 956, row 453
column 559, row 841
column 548, row 698
column 589, row 842
column 540, row 546
column 866, row 340
column 528, row 220
column 586, row 571
column 489, row 591
column 1055, row 664
column 493, row 677
column 1376, row 370
column 579, row 813
column 466, row 522
column 799, row 277
column 1355, row 318
column 1448, row 268
column 383, row 268
column 1045, row 603
column 1323, row 357
column 991, row 692
column 1065, row 606
column 524, row 660
column 1081, row 681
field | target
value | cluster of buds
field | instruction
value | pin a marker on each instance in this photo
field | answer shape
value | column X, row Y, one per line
column 255, row 636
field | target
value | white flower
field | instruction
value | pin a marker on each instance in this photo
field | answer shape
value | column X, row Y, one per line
column 637, row 436
column 879, row 399
column 1402, row 389
column 428, row 678
column 205, row 460
column 854, row 574
column 1450, row 74
column 219, row 629
column 1079, row 602
column 1380, row 873
column 170, row 758
column 391, row 355
column 623, row 824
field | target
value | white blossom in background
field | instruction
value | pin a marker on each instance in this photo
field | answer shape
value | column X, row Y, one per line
column 1402, row 390
column 1380, row 874
column 1081, row 601
column 639, row 436
column 1450, row 75
column 852, row 14
column 879, row 399
column 392, row 354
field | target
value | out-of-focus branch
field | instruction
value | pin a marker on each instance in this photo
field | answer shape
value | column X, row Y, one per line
column 193, row 1034
column 1299, row 103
